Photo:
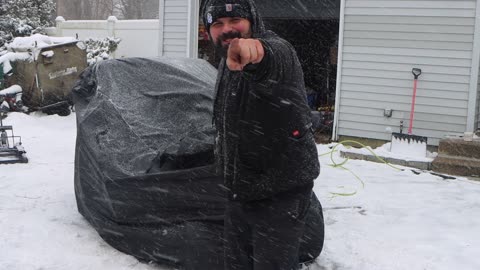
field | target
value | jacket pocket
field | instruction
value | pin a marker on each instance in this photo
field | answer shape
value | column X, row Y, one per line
column 298, row 145
column 261, row 118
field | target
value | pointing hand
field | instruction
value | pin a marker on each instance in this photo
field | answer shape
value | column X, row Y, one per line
column 242, row 52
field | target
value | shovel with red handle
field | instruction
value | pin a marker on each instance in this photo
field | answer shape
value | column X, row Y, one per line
column 416, row 73
column 409, row 143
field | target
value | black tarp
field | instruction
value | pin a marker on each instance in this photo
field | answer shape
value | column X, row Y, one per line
column 144, row 172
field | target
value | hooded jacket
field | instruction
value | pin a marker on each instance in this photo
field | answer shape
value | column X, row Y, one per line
column 264, row 142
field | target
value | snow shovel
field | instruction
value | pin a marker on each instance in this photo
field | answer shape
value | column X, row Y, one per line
column 409, row 144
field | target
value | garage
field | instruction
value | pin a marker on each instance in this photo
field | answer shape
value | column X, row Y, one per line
column 312, row 27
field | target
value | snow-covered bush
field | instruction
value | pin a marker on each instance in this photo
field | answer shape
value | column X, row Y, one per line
column 99, row 49
column 22, row 17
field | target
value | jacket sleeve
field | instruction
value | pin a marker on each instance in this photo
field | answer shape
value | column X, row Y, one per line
column 276, row 64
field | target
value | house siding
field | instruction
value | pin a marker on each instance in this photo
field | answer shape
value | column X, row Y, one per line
column 382, row 42
column 175, row 28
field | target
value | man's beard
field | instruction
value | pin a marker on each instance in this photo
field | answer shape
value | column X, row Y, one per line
column 223, row 49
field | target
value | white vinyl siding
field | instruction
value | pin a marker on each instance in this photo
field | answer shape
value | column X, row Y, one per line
column 175, row 28
column 382, row 42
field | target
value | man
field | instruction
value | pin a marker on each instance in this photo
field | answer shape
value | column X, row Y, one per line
column 264, row 147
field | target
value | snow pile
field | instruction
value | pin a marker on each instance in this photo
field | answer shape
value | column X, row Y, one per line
column 36, row 41
column 12, row 90
column 10, row 57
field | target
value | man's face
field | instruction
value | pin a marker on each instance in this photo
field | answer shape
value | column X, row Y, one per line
column 223, row 30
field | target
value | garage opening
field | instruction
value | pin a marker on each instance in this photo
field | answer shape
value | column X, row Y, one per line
column 312, row 27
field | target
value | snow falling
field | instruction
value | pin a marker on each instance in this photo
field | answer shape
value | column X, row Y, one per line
column 399, row 220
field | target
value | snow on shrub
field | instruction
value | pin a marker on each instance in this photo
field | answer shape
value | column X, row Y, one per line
column 24, row 17
column 99, row 49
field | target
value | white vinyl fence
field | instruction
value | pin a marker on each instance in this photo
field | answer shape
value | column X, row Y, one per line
column 140, row 38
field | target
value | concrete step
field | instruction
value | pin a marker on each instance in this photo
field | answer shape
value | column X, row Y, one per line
column 456, row 165
column 457, row 147
column 458, row 157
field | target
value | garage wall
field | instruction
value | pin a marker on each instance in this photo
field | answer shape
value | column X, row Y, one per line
column 382, row 42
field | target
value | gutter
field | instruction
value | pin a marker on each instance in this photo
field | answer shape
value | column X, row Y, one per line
column 339, row 70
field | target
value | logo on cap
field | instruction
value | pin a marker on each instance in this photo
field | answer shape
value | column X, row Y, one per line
column 228, row 7
column 209, row 18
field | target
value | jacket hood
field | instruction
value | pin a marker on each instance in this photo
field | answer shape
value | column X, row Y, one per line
column 248, row 10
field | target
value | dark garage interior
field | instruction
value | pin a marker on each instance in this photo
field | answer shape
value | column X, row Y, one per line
column 312, row 27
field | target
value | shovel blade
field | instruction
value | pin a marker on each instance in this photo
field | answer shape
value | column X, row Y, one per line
column 409, row 145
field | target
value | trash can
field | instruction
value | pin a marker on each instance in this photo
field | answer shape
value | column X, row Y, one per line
column 48, row 79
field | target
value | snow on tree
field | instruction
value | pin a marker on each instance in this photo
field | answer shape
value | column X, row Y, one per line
column 22, row 17
column 19, row 18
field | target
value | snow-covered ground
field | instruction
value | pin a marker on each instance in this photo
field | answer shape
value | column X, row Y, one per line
column 398, row 220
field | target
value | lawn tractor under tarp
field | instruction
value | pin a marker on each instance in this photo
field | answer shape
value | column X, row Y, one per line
column 144, row 164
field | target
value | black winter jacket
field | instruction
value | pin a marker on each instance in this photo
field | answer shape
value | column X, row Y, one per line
column 264, row 142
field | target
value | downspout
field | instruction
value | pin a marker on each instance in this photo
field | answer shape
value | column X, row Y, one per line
column 161, row 26
column 473, row 91
column 192, row 31
column 339, row 70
